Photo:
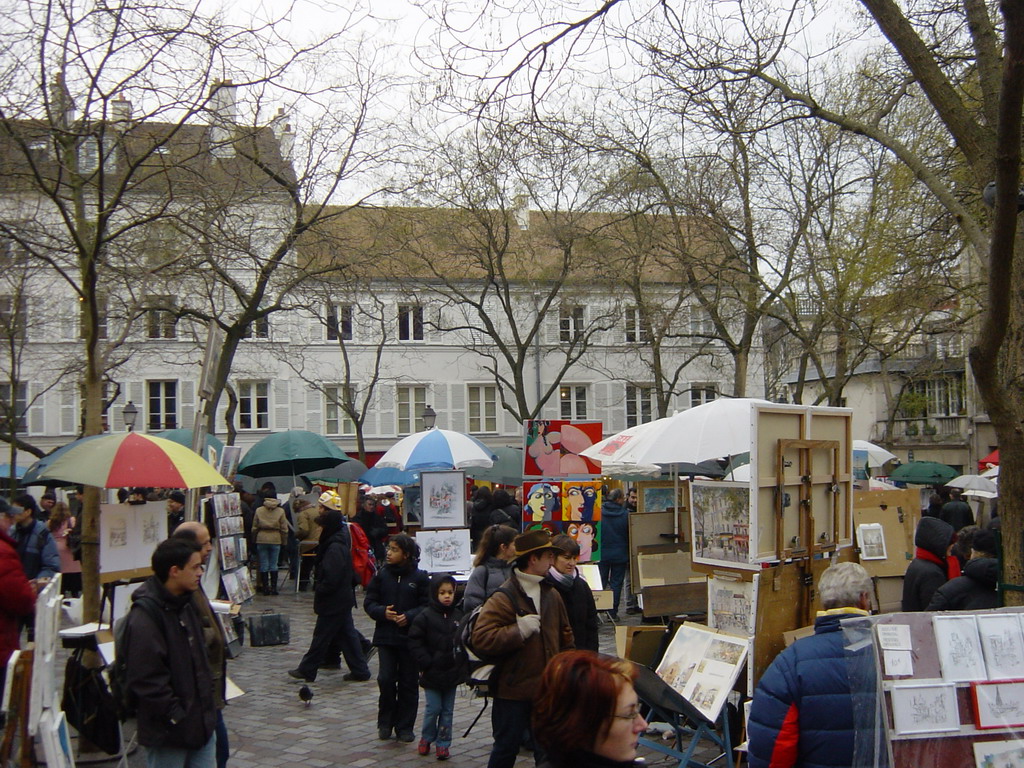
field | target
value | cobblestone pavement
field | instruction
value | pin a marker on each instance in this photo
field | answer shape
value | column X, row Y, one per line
column 269, row 727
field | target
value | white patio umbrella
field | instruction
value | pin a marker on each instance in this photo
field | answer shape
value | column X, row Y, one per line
column 710, row 431
column 877, row 456
column 437, row 449
column 975, row 485
column 991, row 474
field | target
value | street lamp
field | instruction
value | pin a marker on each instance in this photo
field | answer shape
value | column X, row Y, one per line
column 129, row 414
column 429, row 417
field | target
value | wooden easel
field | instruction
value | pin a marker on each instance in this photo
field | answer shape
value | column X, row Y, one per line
column 17, row 748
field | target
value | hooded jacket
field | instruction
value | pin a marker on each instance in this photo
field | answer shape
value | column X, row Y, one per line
column 975, row 590
column 484, row 582
column 924, row 575
column 335, row 582
column 37, row 550
column 614, row 533
column 405, row 587
column 432, row 639
column 168, row 671
column 269, row 524
column 17, row 598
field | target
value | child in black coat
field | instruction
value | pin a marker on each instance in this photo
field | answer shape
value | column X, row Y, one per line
column 394, row 598
column 432, row 640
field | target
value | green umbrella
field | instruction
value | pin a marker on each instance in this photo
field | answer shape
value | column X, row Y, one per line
column 923, row 473
column 184, row 437
column 295, row 452
column 506, row 470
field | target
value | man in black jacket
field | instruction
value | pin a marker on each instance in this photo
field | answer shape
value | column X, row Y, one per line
column 168, row 671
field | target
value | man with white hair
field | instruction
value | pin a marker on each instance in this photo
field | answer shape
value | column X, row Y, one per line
column 802, row 713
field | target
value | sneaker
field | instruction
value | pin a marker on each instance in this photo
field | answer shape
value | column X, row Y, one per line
column 424, row 747
column 407, row 736
column 383, row 734
column 442, row 753
column 299, row 676
column 352, row 677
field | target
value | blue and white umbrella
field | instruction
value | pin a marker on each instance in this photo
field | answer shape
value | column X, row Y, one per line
column 389, row 476
column 437, row 449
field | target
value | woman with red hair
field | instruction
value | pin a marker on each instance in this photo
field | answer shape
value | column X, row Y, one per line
column 587, row 712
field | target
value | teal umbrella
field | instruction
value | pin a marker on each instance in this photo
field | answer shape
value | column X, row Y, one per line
column 923, row 473
column 507, row 468
column 295, row 452
column 184, row 437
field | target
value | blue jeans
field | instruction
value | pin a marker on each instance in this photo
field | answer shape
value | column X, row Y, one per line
column 172, row 757
column 268, row 554
column 612, row 576
column 223, row 748
column 437, row 717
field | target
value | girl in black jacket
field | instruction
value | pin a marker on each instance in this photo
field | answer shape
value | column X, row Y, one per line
column 432, row 639
column 394, row 597
column 575, row 592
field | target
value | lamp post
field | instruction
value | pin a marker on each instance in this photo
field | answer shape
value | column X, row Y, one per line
column 129, row 414
column 429, row 418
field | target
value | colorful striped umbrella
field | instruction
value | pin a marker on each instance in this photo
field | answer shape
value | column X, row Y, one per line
column 437, row 449
column 130, row 459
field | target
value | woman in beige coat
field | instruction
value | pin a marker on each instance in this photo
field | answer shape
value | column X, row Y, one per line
column 270, row 530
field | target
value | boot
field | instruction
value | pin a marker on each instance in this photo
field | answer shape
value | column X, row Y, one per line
column 261, row 583
column 273, row 583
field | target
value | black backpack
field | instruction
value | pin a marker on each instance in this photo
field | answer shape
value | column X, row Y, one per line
column 124, row 701
column 481, row 666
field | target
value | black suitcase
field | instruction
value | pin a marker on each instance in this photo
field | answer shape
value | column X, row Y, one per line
column 269, row 629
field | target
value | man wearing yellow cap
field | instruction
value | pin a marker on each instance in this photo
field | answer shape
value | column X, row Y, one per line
column 334, row 597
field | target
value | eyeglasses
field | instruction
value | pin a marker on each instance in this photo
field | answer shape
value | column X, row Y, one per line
column 634, row 715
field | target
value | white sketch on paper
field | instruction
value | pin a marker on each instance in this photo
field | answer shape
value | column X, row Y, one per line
column 959, row 647
column 999, row 754
column 150, row 531
column 999, row 705
column 1003, row 645
column 443, row 499
column 117, row 533
column 925, row 708
column 445, row 551
column 872, row 541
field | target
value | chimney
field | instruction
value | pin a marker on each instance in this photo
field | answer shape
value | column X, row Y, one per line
column 522, row 211
column 62, row 106
column 121, row 113
column 283, row 133
column 223, row 117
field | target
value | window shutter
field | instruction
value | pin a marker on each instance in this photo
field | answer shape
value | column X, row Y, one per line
column 386, row 411
column 314, row 411
column 188, row 404
column 282, row 404
column 37, row 410
column 457, row 409
column 68, row 407
column 439, row 393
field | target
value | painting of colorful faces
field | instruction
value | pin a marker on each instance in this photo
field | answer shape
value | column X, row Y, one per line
column 542, row 502
column 588, row 536
column 553, row 447
column 581, row 501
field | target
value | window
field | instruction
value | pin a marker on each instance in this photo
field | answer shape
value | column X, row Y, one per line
column 160, row 320
column 338, row 421
column 483, row 408
column 101, row 317
column 945, row 396
column 254, row 405
column 411, row 402
column 13, row 316
column 163, row 405
column 636, row 331
column 570, row 323
column 639, row 405
column 702, row 393
column 410, row 322
column 573, row 402
column 701, row 323
column 258, row 328
column 339, row 321
column 13, row 409
column 38, row 150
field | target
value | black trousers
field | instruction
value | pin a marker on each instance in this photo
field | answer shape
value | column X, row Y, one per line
column 339, row 628
column 399, row 692
column 510, row 720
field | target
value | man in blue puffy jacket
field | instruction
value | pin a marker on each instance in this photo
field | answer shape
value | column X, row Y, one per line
column 802, row 713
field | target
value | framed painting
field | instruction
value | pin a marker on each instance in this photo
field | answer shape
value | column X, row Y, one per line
column 927, row 708
column 445, row 551
column 959, row 647
column 998, row 705
column 720, row 524
column 443, row 499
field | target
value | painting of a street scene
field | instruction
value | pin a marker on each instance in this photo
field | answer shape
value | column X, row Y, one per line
column 720, row 522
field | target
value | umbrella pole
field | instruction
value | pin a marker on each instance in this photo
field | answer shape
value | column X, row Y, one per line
column 675, row 480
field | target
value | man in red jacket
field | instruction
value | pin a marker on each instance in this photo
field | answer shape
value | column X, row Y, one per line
column 17, row 598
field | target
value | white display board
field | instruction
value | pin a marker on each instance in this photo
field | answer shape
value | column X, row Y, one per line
column 128, row 535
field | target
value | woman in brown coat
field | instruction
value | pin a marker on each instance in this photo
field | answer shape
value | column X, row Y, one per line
column 270, row 530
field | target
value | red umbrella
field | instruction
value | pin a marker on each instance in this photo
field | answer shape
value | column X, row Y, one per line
column 992, row 460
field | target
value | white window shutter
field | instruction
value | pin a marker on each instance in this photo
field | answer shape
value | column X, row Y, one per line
column 188, row 404
column 439, row 393
column 386, row 411
column 457, row 409
column 37, row 410
column 282, row 404
column 68, row 407
column 314, row 411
